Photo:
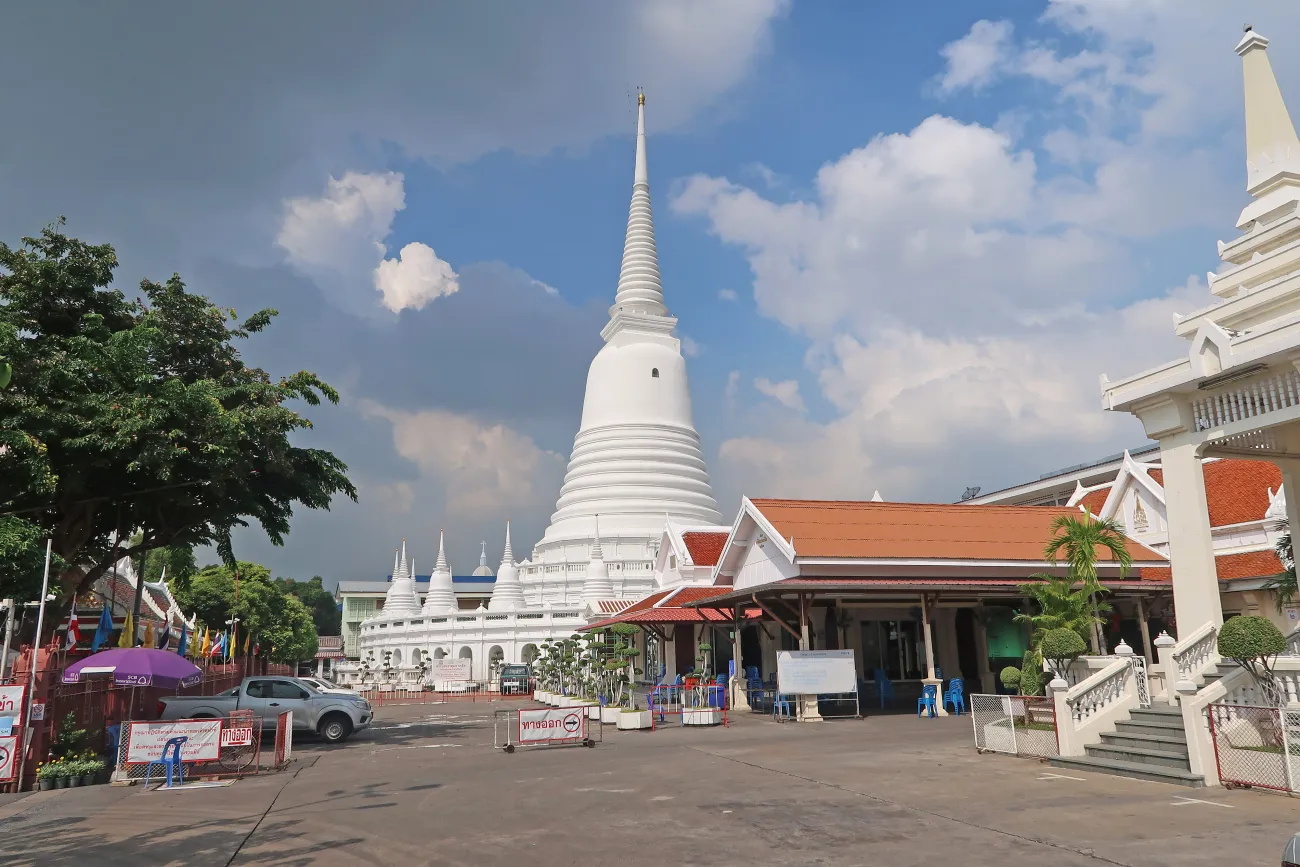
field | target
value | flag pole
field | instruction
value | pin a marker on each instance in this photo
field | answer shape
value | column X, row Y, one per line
column 28, row 730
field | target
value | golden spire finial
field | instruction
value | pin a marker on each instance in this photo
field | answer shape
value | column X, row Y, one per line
column 640, row 98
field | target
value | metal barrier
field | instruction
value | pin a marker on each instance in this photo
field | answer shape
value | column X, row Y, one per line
column 283, row 740
column 1018, row 725
column 1256, row 746
column 542, row 727
column 233, row 748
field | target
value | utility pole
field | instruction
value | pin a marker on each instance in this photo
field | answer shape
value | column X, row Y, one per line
column 29, row 729
column 10, row 626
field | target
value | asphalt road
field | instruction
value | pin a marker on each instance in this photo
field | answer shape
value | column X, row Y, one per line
column 425, row 787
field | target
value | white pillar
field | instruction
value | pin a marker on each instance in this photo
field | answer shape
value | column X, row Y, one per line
column 931, row 679
column 1290, row 476
column 1191, row 549
column 808, row 711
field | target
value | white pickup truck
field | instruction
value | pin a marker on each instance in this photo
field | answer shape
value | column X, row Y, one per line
column 333, row 716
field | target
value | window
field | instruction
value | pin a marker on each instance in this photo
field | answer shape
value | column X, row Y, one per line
column 654, row 372
column 284, row 689
column 259, row 689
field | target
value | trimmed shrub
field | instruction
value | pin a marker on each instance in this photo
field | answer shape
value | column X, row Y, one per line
column 1060, row 647
column 1031, row 674
column 1248, row 639
column 1010, row 677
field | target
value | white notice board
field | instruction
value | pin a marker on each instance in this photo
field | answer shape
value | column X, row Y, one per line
column 816, row 672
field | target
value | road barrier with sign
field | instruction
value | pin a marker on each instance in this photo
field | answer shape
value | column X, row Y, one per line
column 537, row 727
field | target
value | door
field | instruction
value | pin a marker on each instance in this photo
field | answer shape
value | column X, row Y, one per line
column 968, row 655
column 256, row 694
column 684, row 644
column 289, row 696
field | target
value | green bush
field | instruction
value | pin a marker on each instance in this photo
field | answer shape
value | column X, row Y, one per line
column 1031, row 674
column 1247, row 639
column 1010, row 677
column 1060, row 647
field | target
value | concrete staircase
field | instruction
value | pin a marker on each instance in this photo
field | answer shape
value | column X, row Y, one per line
column 1150, row 745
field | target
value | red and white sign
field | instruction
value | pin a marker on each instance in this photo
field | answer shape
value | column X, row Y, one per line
column 147, row 739
column 11, row 703
column 237, row 737
column 8, row 758
column 559, row 724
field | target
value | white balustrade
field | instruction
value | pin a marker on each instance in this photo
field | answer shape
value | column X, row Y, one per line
column 1250, row 400
column 1293, row 642
column 1092, row 707
column 1195, row 655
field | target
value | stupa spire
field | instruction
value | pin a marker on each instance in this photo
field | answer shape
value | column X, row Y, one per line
column 596, row 553
column 441, row 597
column 508, row 556
column 639, row 289
column 401, row 598
column 597, row 585
column 507, row 592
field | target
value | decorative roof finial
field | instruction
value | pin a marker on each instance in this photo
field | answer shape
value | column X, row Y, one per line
column 640, row 96
column 596, row 553
column 482, row 557
column 1272, row 148
column 508, row 556
column 441, row 565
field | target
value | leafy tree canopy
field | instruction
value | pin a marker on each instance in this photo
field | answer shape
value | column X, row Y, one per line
column 139, row 415
column 1250, row 640
column 1060, row 605
column 275, row 619
column 319, row 601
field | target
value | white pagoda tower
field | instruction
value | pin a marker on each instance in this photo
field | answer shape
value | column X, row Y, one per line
column 636, row 463
column 636, row 459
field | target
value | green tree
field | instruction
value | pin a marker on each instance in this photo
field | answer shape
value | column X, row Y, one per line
column 1254, row 643
column 1077, row 541
column 1283, row 585
column 319, row 601
column 128, row 415
column 22, row 559
column 1060, row 605
column 273, row 618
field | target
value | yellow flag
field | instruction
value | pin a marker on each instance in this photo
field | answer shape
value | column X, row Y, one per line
column 247, row 636
column 128, row 633
column 148, row 634
column 207, row 643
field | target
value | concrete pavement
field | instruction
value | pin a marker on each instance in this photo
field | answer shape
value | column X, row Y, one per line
column 425, row 787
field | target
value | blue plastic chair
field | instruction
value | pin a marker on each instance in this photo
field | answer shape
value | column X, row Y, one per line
column 955, row 696
column 929, row 694
column 782, row 707
column 170, row 763
column 751, row 672
column 884, row 688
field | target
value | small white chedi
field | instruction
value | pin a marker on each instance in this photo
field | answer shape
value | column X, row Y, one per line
column 636, row 468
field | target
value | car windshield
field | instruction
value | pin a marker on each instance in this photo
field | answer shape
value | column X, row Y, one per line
column 515, row 671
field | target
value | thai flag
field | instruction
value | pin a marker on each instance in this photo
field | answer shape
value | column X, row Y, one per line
column 219, row 646
column 74, row 632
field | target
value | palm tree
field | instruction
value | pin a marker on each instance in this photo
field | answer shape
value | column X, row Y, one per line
column 1076, row 541
column 1284, row 584
column 1060, row 606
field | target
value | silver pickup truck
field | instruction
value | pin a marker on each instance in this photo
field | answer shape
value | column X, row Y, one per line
column 333, row 716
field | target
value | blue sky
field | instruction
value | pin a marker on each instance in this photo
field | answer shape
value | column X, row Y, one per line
column 934, row 230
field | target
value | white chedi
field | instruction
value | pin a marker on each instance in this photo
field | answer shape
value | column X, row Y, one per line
column 401, row 598
column 596, row 585
column 441, row 596
column 507, row 593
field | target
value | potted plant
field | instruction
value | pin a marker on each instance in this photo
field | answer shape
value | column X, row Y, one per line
column 91, row 767
column 631, row 719
column 59, row 770
column 46, row 773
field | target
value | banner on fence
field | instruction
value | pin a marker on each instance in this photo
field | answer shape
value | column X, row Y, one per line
column 816, row 672
column 239, row 736
column 11, row 703
column 452, row 669
column 148, row 739
column 539, row 726
column 8, row 759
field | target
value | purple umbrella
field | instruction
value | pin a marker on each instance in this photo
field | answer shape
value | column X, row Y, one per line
column 136, row 666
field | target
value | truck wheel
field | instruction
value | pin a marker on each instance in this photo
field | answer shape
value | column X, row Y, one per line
column 335, row 728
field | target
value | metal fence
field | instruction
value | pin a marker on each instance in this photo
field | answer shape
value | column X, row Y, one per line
column 240, row 751
column 1256, row 746
column 446, row 691
column 1019, row 725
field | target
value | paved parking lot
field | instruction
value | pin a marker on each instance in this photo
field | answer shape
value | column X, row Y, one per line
column 425, row 787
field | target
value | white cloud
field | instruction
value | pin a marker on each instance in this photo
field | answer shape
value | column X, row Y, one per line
column 785, row 393
column 414, row 279
column 690, row 348
column 976, row 58
column 395, row 498
column 481, row 467
column 727, row 294
column 337, row 239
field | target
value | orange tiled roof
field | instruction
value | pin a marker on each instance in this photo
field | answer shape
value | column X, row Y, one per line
column 1235, row 490
column 648, row 610
column 1250, row 564
column 922, row 531
column 705, row 547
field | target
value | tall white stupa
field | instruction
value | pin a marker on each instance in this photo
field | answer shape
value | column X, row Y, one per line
column 636, row 464
column 636, row 459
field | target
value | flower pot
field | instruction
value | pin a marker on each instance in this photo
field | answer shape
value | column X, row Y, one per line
column 46, row 784
column 609, row 715
column 540, row 696
column 87, row 779
column 631, row 720
column 593, row 711
column 61, row 782
column 704, row 716
column 74, row 781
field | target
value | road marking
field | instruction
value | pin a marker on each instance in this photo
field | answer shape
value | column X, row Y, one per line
column 415, row 747
column 607, row 791
column 1183, row 802
column 726, row 811
column 1061, row 777
column 662, row 798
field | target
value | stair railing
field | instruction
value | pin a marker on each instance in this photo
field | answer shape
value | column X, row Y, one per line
column 1195, row 655
column 1092, row 707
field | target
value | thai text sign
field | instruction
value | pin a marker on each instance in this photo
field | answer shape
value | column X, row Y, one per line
column 452, row 669
column 8, row 758
column 562, row 724
column 816, row 672
column 11, row 703
column 240, row 736
column 147, row 740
